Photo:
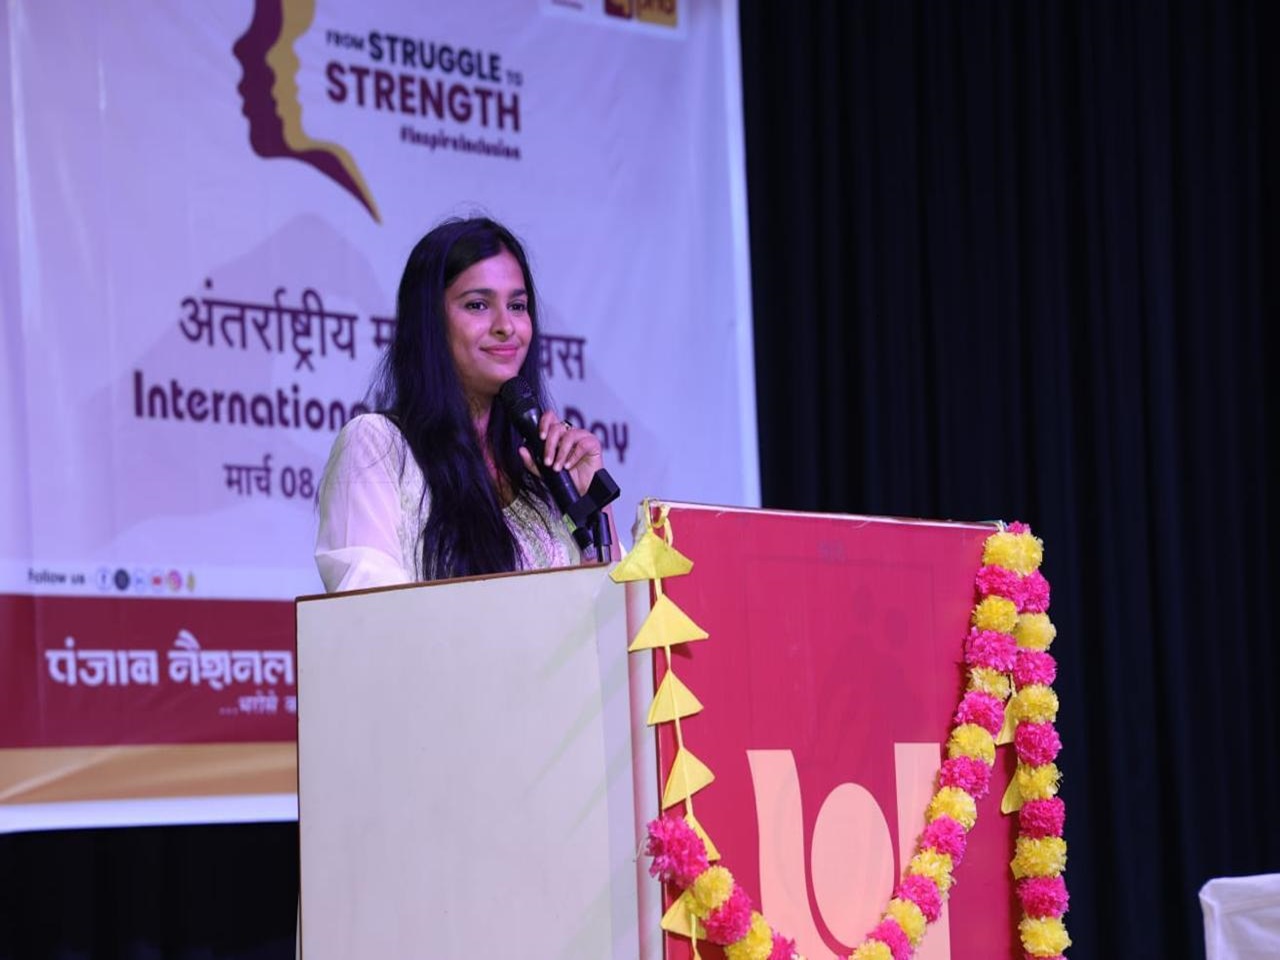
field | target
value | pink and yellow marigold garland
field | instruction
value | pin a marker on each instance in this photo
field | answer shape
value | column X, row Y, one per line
column 1010, row 675
column 712, row 905
column 713, row 898
column 1041, row 853
column 1009, row 669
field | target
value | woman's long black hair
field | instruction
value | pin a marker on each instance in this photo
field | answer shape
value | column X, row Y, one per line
column 419, row 387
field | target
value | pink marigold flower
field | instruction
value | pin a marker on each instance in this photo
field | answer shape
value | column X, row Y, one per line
column 923, row 892
column 1033, row 595
column 997, row 581
column 1042, row 818
column 1043, row 896
column 946, row 836
column 1034, row 666
column 989, row 648
column 678, row 853
column 1037, row 743
column 968, row 773
column 890, row 934
column 981, row 709
column 1018, row 527
column 729, row 922
column 784, row 948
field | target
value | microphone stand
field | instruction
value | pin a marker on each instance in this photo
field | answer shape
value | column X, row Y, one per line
column 602, row 536
column 589, row 516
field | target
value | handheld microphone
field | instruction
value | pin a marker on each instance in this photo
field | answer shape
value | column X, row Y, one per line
column 521, row 405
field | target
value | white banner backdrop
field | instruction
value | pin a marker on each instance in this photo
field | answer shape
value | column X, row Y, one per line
column 211, row 205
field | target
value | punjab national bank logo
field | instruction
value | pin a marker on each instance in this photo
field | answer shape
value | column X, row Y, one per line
column 269, row 90
column 664, row 12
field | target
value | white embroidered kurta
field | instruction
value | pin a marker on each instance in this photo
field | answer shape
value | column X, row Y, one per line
column 372, row 514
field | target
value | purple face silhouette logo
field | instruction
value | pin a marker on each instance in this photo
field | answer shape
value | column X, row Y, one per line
column 269, row 90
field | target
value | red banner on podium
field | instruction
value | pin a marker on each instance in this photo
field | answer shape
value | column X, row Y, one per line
column 829, row 680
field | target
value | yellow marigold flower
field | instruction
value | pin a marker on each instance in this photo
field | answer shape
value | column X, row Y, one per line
column 909, row 918
column 1043, row 857
column 711, row 889
column 1032, row 552
column 1044, row 938
column 1020, row 552
column 995, row 613
column 954, row 803
column 1038, row 783
column 990, row 681
column 1001, row 550
column 756, row 945
column 872, row 950
column 1036, row 703
column 934, row 865
column 1035, row 631
column 971, row 740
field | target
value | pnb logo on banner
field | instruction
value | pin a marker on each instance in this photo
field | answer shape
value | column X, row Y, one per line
column 469, row 97
column 648, row 11
column 640, row 14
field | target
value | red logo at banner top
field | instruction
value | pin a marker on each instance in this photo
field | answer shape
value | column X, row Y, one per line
column 665, row 12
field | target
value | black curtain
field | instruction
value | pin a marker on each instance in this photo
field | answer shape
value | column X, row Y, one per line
column 1017, row 260
column 153, row 893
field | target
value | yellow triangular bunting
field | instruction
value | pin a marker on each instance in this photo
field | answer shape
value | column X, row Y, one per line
column 1010, row 725
column 680, row 921
column 666, row 626
column 672, row 700
column 688, row 775
column 712, row 853
column 651, row 559
column 1012, row 800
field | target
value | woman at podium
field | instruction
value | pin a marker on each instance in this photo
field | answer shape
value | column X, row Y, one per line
column 438, row 483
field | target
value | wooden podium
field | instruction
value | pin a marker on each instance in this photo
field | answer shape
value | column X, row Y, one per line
column 466, row 771
column 475, row 767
